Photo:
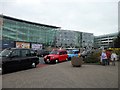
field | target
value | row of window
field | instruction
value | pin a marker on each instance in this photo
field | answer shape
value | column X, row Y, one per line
column 22, row 53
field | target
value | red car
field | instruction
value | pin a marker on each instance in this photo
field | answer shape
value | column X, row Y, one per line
column 56, row 56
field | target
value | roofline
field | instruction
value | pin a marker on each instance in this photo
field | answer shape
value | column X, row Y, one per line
column 75, row 31
column 116, row 33
column 16, row 19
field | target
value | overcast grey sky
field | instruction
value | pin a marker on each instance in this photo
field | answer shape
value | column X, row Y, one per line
column 93, row 16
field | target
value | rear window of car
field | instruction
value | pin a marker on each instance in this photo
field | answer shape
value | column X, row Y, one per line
column 63, row 52
column 54, row 52
column 5, row 53
column 76, row 52
column 16, row 53
column 70, row 52
column 32, row 53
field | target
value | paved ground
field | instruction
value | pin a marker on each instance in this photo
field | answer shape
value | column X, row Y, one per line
column 63, row 75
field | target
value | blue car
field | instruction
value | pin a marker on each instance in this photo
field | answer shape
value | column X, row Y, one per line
column 72, row 53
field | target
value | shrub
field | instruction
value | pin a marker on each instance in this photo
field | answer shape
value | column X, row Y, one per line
column 93, row 57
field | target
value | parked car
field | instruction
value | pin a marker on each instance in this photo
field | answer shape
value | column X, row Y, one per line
column 56, row 56
column 72, row 53
column 42, row 53
column 16, row 58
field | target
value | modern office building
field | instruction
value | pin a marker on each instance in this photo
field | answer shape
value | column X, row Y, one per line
column 68, row 38
column 13, row 29
column 87, row 40
column 21, row 33
column 104, row 41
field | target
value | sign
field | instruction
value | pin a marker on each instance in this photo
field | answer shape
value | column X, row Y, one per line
column 36, row 46
column 22, row 45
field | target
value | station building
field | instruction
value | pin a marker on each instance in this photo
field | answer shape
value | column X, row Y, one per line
column 69, row 38
column 19, row 31
column 25, row 34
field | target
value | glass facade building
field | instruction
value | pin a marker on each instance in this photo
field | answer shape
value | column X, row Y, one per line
column 13, row 29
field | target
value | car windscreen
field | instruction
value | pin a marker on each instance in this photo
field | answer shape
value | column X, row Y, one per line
column 5, row 53
column 70, row 52
column 76, row 52
column 54, row 52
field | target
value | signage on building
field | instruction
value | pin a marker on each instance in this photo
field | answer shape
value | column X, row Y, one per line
column 22, row 45
column 36, row 46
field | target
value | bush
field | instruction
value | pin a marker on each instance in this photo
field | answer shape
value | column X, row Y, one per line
column 93, row 58
column 118, row 53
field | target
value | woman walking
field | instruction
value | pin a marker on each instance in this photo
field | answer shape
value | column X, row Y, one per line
column 113, row 58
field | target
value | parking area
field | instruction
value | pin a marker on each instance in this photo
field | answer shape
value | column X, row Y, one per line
column 63, row 75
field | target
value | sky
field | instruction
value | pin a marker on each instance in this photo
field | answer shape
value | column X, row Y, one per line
column 93, row 16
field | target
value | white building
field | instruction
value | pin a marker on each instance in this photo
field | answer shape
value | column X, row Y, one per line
column 87, row 40
column 105, row 41
column 67, row 38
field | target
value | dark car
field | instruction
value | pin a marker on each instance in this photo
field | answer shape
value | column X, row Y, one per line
column 57, row 55
column 14, row 58
column 42, row 53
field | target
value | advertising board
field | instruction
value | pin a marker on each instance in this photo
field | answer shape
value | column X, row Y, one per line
column 22, row 45
column 36, row 46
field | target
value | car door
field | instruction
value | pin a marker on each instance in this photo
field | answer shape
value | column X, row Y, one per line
column 61, row 56
column 65, row 56
column 14, row 60
column 33, row 58
column 25, row 58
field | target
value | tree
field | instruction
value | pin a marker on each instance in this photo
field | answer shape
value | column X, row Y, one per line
column 116, row 42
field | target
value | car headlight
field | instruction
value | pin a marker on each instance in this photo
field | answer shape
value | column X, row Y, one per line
column 45, row 56
column 53, row 57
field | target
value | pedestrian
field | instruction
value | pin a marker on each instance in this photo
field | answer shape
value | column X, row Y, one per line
column 108, row 53
column 104, row 58
column 36, row 52
column 113, row 57
column 83, row 54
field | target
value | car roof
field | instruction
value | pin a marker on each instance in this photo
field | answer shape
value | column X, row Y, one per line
column 75, row 50
column 16, row 48
column 60, row 49
column 70, row 48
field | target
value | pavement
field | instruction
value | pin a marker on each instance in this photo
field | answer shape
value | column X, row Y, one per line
column 63, row 75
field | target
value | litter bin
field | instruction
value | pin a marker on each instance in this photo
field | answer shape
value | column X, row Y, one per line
column 76, row 61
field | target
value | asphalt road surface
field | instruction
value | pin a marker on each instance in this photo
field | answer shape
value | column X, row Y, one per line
column 63, row 75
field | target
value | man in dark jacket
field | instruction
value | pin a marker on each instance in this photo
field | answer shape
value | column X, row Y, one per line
column 108, row 53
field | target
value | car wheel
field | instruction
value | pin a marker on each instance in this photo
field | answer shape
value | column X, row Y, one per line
column 56, row 61
column 45, row 62
column 33, row 65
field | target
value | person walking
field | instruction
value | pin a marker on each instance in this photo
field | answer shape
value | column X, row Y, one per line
column 104, row 58
column 113, row 58
column 108, row 53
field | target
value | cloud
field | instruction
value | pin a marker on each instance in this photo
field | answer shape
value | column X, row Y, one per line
column 95, row 16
